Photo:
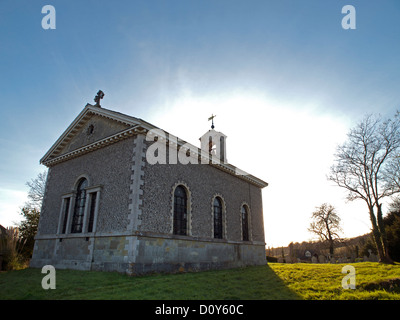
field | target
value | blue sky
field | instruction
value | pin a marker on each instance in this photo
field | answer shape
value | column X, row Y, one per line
column 284, row 73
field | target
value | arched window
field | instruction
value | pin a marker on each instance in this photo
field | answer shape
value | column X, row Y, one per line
column 79, row 210
column 245, row 223
column 180, row 211
column 217, row 218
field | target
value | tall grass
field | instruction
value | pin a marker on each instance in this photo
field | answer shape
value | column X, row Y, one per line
column 11, row 246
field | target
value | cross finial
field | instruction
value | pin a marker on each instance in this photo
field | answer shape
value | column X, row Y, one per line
column 98, row 97
column 212, row 119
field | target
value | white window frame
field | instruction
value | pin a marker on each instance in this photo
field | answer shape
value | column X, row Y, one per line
column 71, row 198
column 90, row 191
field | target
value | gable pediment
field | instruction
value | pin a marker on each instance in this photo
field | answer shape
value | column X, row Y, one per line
column 93, row 128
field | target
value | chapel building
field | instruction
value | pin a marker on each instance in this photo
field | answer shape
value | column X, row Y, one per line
column 123, row 195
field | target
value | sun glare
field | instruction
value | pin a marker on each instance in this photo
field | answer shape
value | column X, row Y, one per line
column 291, row 146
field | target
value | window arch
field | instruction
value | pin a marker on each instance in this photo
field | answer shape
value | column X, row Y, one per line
column 79, row 209
column 245, row 222
column 180, row 207
column 217, row 215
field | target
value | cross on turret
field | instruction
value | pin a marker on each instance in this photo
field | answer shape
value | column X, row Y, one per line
column 212, row 119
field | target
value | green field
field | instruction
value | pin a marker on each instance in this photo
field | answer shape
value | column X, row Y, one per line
column 274, row 281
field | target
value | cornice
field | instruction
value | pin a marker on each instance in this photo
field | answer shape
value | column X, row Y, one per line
column 93, row 146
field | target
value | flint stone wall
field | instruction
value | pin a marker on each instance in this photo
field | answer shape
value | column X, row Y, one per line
column 135, row 236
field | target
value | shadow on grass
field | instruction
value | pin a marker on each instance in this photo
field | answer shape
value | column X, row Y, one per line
column 273, row 287
column 250, row 283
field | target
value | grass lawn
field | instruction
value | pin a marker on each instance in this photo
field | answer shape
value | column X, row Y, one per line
column 324, row 281
column 273, row 281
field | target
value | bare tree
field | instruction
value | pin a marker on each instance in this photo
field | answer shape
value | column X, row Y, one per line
column 392, row 171
column 31, row 213
column 326, row 224
column 363, row 167
column 36, row 191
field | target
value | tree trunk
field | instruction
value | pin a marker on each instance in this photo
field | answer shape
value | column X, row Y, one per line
column 386, row 257
column 330, row 245
column 330, row 238
column 331, row 248
column 376, row 232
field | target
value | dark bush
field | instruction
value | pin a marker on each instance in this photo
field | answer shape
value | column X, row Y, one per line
column 272, row 259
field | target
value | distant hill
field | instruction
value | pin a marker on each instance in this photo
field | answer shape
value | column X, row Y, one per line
column 347, row 248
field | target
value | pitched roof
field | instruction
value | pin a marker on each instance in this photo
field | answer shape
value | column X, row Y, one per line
column 133, row 126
